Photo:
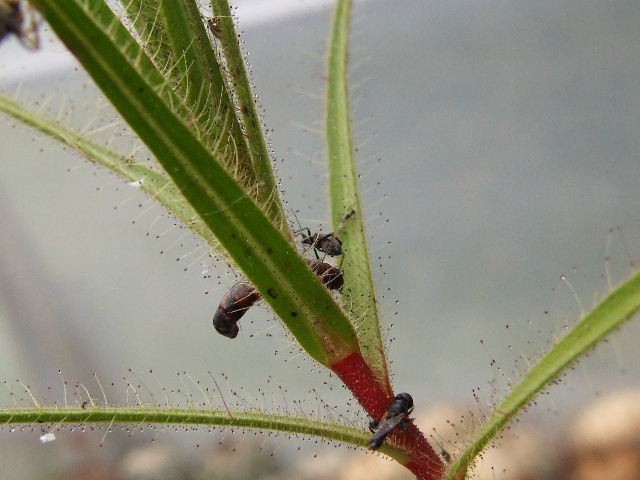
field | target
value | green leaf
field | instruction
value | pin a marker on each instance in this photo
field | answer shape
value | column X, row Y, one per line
column 146, row 21
column 156, row 184
column 93, row 413
column 238, row 83
column 346, row 209
column 182, row 416
column 610, row 314
column 203, row 87
column 127, row 77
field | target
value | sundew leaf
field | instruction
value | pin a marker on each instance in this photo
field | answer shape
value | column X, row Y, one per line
column 238, row 83
column 346, row 210
column 99, row 414
column 621, row 305
column 176, row 39
column 127, row 77
column 157, row 184
column 204, row 87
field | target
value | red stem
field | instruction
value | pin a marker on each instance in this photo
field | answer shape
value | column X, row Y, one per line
column 376, row 397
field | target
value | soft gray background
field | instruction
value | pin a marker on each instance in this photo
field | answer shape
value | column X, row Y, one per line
column 499, row 145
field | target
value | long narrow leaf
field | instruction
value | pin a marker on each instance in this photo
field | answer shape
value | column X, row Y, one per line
column 188, row 416
column 147, row 22
column 204, row 89
column 156, row 184
column 248, row 115
column 616, row 309
column 346, row 209
column 119, row 67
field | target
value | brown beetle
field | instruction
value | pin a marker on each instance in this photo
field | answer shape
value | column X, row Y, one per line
column 243, row 295
column 233, row 306
column 330, row 276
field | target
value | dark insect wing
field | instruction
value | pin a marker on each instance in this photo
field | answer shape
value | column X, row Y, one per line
column 385, row 428
column 402, row 403
column 397, row 413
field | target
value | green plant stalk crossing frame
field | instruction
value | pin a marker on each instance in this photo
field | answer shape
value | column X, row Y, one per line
column 56, row 417
column 359, row 292
column 610, row 314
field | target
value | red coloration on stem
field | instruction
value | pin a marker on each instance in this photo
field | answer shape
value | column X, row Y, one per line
column 375, row 397
column 425, row 462
column 358, row 377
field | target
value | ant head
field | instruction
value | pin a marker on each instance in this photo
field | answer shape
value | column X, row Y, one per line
column 406, row 397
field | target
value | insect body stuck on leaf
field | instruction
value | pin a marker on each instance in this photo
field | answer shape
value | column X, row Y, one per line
column 233, row 306
column 326, row 243
column 242, row 295
column 396, row 416
column 330, row 276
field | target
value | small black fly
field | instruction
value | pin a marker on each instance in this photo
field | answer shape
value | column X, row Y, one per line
column 396, row 416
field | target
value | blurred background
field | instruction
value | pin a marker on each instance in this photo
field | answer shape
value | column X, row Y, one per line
column 499, row 151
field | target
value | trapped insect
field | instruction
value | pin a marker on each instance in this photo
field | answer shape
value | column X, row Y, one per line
column 20, row 19
column 243, row 295
column 233, row 306
column 327, row 243
column 396, row 416
column 330, row 276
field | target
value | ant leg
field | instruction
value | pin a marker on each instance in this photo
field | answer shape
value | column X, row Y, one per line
column 298, row 232
column 305, row 240
column 344, row 220
column 314, row 244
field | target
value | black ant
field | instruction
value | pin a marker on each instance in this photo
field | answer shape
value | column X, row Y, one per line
column 243, row 295
column 13, row 14
column 327, row 243
column 396, row 416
